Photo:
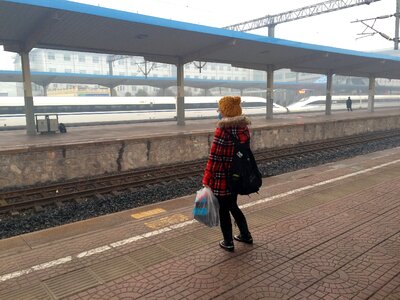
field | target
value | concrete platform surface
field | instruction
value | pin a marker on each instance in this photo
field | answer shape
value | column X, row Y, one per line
column 17, row 139
column 328, row 232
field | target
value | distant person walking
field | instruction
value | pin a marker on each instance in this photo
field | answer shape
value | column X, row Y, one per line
column 348, row 104
column 231, row 122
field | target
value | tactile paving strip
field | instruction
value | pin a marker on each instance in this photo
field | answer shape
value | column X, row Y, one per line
column 149, row 256
column 71, row 283
column 182, row 244
column 207, row 235
column 31, row 293
column 299, row 205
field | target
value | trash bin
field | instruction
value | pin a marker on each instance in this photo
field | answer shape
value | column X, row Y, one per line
column 46, row 123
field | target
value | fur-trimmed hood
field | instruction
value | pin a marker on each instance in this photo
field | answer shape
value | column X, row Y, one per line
column 239, row 121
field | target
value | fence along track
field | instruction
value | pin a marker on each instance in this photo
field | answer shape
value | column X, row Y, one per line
column 36, row 197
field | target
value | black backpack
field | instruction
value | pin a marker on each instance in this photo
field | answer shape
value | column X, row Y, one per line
column 62, row 128
column 243, row 177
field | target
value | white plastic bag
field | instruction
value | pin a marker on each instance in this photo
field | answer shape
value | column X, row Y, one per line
column 206, row 208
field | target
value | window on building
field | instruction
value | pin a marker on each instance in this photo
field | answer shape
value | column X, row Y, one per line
column 221, row 67
column 82, row 58
column 290, row 75
column 51, row 56
column 67, row 57
column 52, row 70
column 95, row 59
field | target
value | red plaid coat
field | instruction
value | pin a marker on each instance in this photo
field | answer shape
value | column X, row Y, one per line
column 221, row 152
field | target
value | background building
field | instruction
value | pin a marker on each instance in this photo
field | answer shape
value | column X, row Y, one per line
column 67, row 62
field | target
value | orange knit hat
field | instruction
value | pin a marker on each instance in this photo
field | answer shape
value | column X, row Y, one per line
column 230, row 106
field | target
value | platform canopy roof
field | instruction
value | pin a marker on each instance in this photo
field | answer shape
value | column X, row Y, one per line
column 60, row 24
column 45, row 78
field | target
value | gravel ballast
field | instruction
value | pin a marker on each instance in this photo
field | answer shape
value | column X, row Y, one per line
column 30, row 221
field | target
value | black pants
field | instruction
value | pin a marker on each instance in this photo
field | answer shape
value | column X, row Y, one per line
column 228, row 204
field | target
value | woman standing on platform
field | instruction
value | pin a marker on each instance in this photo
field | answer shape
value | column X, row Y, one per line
column 231, row 122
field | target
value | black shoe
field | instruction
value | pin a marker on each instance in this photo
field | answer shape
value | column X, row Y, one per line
column 244, row 239
column 228, row 246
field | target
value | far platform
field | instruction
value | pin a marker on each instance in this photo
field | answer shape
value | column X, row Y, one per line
column 18, row 139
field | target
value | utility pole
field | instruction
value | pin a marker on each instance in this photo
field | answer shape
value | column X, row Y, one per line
column 382, row 34
column 396, row 30
column 146, row 70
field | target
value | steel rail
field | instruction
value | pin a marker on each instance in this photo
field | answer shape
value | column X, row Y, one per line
column 31, row 197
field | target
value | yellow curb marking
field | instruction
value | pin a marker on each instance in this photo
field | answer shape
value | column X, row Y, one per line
column 164, row 222
column 148, row 213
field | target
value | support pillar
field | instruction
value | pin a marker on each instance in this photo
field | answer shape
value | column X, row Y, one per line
column 180, row 99
column 328, row 103
column 110, row 72
column 45, row 87
column 271, row 30
column 371, row 94
column 396, row 30
column 29, row 109
column 270, row 92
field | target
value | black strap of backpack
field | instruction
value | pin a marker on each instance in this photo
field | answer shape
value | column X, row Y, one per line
column 235, row 140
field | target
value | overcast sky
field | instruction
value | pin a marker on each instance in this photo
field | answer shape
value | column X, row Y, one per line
column 331, row 29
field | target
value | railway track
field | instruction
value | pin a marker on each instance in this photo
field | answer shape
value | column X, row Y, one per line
column 80, row 190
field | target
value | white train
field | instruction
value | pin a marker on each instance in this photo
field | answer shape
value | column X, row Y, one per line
column 74, row 110
column 317, row 103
